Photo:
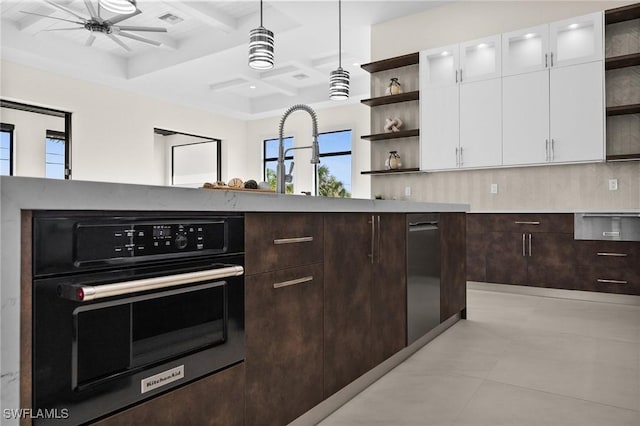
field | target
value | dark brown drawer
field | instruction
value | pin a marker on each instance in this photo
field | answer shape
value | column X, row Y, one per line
column 282, row 240
column 608, row 254
column 528, row 222
column 609, row 280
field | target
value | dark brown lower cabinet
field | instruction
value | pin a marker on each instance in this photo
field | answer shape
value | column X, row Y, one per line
column 453, row 282
column 284, row 341
column 364, row 295
column 506, row 260
column 608, row 266
column 476, row 247
column 216, row 400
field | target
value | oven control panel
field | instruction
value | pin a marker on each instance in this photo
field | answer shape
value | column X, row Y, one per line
column 103, row 242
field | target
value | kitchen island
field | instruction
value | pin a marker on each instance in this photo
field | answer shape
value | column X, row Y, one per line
column 26, row 194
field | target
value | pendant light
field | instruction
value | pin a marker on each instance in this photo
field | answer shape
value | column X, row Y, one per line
column 339, row 78
column 261, row 47
column 121, row 7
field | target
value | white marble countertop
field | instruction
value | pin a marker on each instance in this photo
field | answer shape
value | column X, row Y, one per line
column 542, row 211
column 17, row 193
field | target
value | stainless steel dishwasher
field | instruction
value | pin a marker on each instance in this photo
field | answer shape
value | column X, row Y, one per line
column 423, row 274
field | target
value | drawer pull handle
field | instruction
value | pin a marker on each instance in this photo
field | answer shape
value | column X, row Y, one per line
column 519, row 222
column 292, row 282
column 293, row 240
column 600, row 280
column 613, row 254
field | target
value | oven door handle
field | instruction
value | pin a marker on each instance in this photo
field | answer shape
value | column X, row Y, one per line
column 82, row 293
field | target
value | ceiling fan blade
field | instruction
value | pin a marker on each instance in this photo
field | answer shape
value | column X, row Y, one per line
column 52, row 17
column 91, row 9
column 90, row 40
column 65, row 9
column 65, row 29
column 120, row 18
column 142, row 39
column 149, row 29
column 119, row 42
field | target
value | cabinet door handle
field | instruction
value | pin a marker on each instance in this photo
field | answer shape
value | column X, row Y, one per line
column 379, row 239
column 553, row 144
column 600, row 280
column 373, row 239
column 293, row 282
column 546, row 61
column 456, row 76
column 292, row 240
column 612, row 254
column 461, row 157
column 460, row 75
column 551, row 58
column 524, row 251
column 529, row 245
column 546, row 145
column 457, row 157
column 524, row 222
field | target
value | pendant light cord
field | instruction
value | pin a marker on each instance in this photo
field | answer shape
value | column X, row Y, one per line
column 260, row 12
column 339, row 33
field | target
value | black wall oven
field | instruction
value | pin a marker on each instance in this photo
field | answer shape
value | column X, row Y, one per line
column 126, row 306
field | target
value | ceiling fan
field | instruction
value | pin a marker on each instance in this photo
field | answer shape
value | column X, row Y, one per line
column 97, row 24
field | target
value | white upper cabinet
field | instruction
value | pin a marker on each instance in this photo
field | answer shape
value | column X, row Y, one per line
column 576, row 40
column 480, row 59
column 525, row 50
column 439, row 67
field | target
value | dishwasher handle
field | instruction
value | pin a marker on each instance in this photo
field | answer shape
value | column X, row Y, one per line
column 423, row 226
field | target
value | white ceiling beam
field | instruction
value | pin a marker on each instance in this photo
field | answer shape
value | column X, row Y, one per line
column 207, row 14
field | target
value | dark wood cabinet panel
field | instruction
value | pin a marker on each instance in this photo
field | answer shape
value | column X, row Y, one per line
column 389, row 290
column 216, row 400
column 529, row 222
column 506, row 258
column 476, row 247
column 284, row 343
column 348, row 271
column 453, row 282
column 551, row 260
column 282, row 240
column 608, row 266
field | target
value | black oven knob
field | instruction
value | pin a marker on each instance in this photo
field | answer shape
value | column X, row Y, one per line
column 181, row 241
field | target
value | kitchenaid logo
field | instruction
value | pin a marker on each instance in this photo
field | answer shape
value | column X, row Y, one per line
column 28, row 413
column 161, row 379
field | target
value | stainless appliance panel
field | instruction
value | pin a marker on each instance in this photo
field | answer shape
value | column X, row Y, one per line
column 607, row 226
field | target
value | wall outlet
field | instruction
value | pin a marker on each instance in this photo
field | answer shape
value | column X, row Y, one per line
column 494, row 188
column 613, row 184
column 407, row 191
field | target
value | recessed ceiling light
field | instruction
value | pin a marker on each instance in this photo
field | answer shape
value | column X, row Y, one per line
column 573, row 26
column 170, row 18
column 356, row 64
column 445, row 53
column 252, row 87
column 482, row 45
column 300, row 76
column 529, row 35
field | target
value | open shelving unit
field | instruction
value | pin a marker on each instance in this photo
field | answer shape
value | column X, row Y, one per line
column 623, row 109
column 400, row 104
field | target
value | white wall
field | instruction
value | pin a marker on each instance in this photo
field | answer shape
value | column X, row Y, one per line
column 29, row 137
column 298, row 125
column 112, row 130
column 570, row 187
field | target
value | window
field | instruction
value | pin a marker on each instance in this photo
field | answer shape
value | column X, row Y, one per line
column 333, row 174
column 6, row 149
column 271, row 161
column 55, row 154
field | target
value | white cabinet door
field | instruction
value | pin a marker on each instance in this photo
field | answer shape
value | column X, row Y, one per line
column 480, row 124
column 439, row 67
column 525, row 118
column 439, row 128
column 525, row 50
column 576, row 40
column 480, row 59
column 577, row 113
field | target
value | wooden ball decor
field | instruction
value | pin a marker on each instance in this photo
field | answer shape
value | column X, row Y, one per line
column 235, row 183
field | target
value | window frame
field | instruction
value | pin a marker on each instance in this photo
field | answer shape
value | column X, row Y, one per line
column 56, row 135
column 331, row 154
column 9, row 128
column 266, row 159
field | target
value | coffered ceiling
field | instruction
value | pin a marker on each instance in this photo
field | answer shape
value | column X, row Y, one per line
column 202, row 58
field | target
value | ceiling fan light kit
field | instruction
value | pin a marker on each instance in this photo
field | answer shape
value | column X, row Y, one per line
column 121, row 7
column 261, row 47
column 339, row 78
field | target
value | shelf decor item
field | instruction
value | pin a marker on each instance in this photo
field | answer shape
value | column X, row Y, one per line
column 339, row 78
column 392, row 125
column 393, row 162
column 261, row 46
column 394, row 87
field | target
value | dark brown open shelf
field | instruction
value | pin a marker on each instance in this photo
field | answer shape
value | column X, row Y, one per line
column 620, row 14
column 392, row 135
column 392, row 99
column 622, row 61
column 623, row 109
column 387, row 172
column 623, row 157
column 391, row 63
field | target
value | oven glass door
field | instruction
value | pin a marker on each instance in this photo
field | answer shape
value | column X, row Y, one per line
column 122, row 336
